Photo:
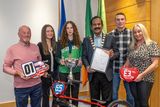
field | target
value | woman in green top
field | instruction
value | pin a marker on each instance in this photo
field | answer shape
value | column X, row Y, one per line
column 69, row 47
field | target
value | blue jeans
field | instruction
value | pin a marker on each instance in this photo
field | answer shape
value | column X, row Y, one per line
column 22, row 95
column 116, row 84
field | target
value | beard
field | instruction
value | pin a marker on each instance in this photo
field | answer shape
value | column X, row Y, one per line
column 27, row 43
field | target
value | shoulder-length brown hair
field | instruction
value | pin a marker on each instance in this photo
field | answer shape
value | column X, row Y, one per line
column 64, row 35
column 43, row 39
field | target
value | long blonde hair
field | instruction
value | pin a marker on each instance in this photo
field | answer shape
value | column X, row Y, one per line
column 145, row 35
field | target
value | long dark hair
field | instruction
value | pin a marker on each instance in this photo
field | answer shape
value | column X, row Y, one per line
column 43, row 39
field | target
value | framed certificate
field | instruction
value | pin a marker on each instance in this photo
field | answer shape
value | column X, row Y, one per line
column 100, row 60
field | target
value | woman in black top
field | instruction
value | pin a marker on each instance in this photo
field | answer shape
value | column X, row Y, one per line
column 47, row 49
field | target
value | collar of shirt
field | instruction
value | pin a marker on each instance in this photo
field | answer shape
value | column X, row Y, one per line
column 24, row 44
column 97, row 40
column 120, row 31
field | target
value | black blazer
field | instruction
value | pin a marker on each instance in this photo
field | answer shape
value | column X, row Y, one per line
column 109, row 43
column 47, row 60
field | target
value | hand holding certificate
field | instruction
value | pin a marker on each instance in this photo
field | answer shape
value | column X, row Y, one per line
column 100, row 60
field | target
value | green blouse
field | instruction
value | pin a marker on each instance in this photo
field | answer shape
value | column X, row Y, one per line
column 76, row 53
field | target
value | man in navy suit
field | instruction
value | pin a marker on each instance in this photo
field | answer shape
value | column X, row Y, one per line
column 100, row 83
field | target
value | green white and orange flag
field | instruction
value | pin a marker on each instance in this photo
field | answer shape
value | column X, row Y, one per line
column 88, row 17
column 102, row 14
column 88, row 33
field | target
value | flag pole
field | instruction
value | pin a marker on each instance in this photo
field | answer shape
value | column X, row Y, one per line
column 58, row 17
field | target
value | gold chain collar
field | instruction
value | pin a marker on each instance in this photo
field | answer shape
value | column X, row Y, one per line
column 92, row 43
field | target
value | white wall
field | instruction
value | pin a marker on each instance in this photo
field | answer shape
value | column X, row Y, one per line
column 34, row 13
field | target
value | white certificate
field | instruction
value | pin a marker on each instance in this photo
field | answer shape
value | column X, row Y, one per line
column 100, row 60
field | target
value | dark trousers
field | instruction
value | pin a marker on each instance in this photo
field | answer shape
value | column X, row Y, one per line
column 72, row 90
column 141, row 92
column 46, row 84
column 100, row 87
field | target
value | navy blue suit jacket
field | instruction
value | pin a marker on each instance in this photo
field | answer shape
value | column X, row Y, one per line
column 87, row 53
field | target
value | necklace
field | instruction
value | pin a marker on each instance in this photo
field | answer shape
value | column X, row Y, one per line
column 92, row 43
